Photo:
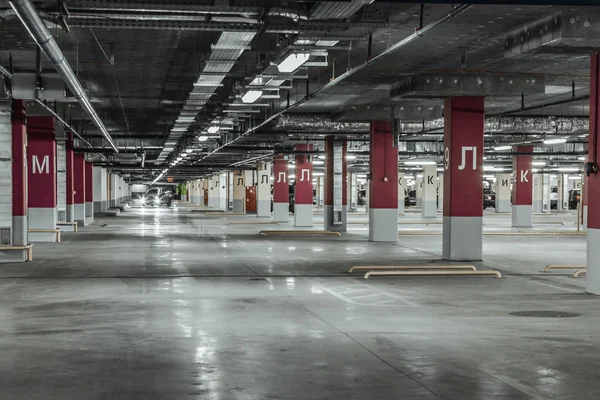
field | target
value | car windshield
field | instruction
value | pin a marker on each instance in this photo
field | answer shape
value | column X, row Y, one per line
column 152, row 192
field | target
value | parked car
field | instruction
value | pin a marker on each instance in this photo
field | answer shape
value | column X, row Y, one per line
column 362, row 196
column 406, row 198
column 489, row 198
column 157, row 198
column 574, row 197
column 412, row 197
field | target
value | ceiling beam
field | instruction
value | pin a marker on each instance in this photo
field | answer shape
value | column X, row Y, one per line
column 467, row 84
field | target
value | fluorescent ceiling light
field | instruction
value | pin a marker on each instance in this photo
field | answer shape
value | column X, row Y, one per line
column 489, row 168
column 203, row 138
column 213, row 129
column 188, row 151
column 420, row 162
column 568, row 169
column 539, row 163
column 502, row 148
column 581, row 158
column 318, row 162
column 555, row 141
column 327, row 42
column 440, row 169
column 251, row 96
column 575, row 177
column 159, row 177
column 350, row 157
column 293, row 62
column 419, row 176
column 318, row 174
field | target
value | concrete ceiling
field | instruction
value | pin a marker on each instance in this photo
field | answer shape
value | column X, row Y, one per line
column 139, row 62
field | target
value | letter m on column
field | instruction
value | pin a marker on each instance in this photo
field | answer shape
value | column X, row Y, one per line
column 43, row 168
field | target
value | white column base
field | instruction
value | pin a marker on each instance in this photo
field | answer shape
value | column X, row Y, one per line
column 281, row 212
column 66, row 228
column 383, row 224
column 19, row 226
column 303, row 215
column 538, row 206
column 401, row 205
column 263, row 208
column 463, row 238
column 592, row 279
column 503, row 206
column 429, row 209
column 70, row 213
column 41, row 218
column 79, row 214
column 328, row 218
column 89, row 209
column 522, row 216
column 238, row 205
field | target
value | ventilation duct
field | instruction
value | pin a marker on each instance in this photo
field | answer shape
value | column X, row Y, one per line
column 38, row 31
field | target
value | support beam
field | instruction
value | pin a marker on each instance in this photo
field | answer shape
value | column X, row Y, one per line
column 303, row 192
column 522, row 194
column 572, row 29
column 593, row 183
column 463, row 177
column 383, row 184
column 335, row 209
column 281, row 191
column 19, row 173
column 41, row 159
column 457, row 84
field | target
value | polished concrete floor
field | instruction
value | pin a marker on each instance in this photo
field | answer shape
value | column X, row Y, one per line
column 173, row 304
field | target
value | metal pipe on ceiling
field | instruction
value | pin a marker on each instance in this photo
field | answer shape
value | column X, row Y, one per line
column 38, row 31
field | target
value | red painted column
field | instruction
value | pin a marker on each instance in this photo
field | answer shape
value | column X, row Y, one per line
column 19, row 173
column 383, row 184
column 463, row 178
column 336, row 167
column 592, row 186
column 89, row 189
column 303, row 192
column 79, row 186
column 584, row 198
column 70, row 187
column 522, row 194
column 281, row 189
column 41, row 177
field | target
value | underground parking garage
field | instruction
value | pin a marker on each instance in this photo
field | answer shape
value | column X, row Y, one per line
column 299, row 200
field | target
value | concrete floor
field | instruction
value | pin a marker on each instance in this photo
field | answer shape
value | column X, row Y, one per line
column 173, row 304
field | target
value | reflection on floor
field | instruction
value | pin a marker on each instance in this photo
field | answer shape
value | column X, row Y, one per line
column 174, row 304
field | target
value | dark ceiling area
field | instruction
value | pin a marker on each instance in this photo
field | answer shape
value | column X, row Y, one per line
column 189, row 88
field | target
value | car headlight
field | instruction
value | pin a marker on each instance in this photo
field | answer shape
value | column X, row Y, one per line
column 488, row 198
